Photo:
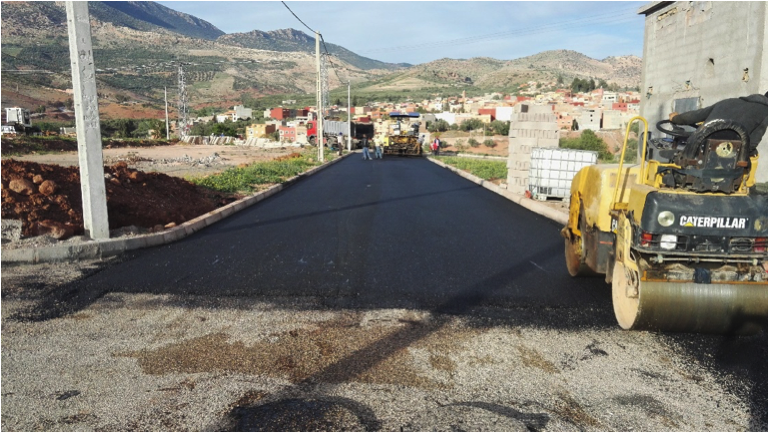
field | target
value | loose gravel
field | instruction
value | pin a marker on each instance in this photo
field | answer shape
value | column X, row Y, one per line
column 162, row 362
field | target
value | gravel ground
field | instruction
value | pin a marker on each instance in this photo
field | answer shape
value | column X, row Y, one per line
column 158, row 362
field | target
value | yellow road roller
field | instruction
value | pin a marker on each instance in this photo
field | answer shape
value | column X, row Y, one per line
column 681, row 236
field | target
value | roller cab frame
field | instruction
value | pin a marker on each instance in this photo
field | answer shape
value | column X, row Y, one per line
column 681, row 236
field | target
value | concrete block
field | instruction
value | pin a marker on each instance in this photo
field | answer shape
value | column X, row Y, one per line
column 226, row 211
column 21, row 255
column 213, row 217
column 240, row 205
column 195, row 225
column 55, row 253
column 88, row 250
column 156, row 239
column 135, row 243
column 173, row 235
column 112, row 247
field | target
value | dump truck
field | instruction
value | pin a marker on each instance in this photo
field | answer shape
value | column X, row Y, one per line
column 17, row 121
column 681, row 236
column 332, row 128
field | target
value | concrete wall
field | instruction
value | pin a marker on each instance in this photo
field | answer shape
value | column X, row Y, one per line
column 701, row 50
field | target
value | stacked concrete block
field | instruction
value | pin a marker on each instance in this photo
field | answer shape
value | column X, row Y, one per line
column 531, row 126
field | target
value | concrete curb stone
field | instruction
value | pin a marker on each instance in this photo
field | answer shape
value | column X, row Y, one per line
column 111, row 247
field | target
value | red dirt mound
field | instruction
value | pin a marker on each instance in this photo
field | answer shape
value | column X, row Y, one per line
column 35, row 193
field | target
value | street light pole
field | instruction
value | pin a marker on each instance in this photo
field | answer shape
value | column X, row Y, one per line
column 319, row 98
column 349, row 120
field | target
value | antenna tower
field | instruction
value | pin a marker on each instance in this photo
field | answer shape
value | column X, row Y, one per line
column 183, row 109
column 324, row 81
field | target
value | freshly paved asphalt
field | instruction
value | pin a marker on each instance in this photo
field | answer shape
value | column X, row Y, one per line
column 398, row 233
column 392, row 233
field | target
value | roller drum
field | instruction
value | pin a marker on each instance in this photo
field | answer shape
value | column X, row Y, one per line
column 690, row 307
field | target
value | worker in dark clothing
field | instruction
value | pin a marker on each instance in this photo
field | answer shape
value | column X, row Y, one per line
column 749, row 111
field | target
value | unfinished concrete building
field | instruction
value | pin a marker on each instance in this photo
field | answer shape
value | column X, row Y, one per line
column 530, row 126
column 698, row 53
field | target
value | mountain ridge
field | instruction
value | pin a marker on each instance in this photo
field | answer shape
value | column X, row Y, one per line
column 138, row 47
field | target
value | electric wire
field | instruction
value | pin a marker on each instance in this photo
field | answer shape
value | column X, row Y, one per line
column 300, row 20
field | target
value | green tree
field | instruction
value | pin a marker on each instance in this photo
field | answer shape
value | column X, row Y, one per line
column 560, row 80
column 439, row 125
column 588, row 141
column 117, row 128
column 143, row 128
column 472, row 124
column 500, row 127
column 227, row 129
column 40, row 109
column 631, row 154
column 473, row 142
column 490, row 143
column 121, row 98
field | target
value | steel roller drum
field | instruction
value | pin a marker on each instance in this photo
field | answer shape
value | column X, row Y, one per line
column 690, row 307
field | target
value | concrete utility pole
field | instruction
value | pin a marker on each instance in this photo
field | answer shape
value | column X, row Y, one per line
column 183, row 107
column 95, row 218
column 319, row 98
column 349, row 120
column 165, row 93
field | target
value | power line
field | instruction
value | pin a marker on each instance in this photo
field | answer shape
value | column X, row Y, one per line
column 292, row 13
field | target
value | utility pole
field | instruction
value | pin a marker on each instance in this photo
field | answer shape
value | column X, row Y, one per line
column 90, row 157
column 319, row 140
column 182, row 121
column 165, row 94
column 349, row 120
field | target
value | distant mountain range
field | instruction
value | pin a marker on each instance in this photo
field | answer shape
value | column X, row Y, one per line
column 139, row 44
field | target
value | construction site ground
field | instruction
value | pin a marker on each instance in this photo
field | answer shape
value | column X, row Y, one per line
column 146, row 188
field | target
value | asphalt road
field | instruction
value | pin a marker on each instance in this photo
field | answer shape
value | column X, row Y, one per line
column 374, row 295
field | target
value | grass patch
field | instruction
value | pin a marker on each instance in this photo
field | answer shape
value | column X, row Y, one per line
column 485, row 169
column 257, row 175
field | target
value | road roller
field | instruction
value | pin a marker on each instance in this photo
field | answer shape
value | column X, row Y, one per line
column 681, row 235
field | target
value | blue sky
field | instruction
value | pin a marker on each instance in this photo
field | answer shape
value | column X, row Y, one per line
column 420, row 32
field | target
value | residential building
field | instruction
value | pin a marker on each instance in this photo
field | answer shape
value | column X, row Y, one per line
column 589, row 119
column 492, row 112
column 280, row 113
column 287, row 134
column 612, row 119
column 619, row 106
column 257, row 130
column 240, row 112
column 503, row 113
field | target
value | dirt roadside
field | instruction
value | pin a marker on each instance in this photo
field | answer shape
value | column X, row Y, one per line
column 147, row 189
column 180, row 160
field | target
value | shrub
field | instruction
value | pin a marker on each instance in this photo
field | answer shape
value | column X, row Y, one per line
column 490, row 143
column 249, row 178
column 485, row 169
column 588, row 141
column 473, row 142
